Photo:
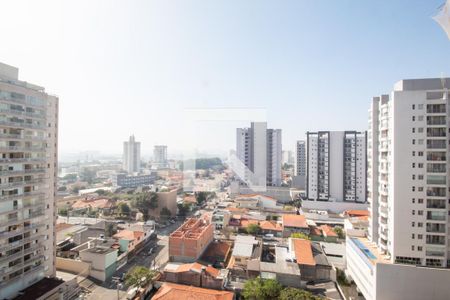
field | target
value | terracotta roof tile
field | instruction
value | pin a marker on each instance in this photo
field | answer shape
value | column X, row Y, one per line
column 172, row 291
column 303, row 252
column 298, row 221
column 271, row 225
column 328, row 231
column 356, row 212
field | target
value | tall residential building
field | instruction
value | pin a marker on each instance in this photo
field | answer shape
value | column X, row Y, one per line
column 160, row 155
column 408, row 191
column 259, row 149
column 300, row 167
column 336, row 166
column 28, row 170
column 131, row 155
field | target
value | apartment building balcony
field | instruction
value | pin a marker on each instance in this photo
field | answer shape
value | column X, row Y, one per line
column 24, row 171
column 23, row 113
column 23, row 183
column 21, row 230
column 22, row 149
column 22, row 137
column 383, row 234
column 383, row 211
column 23, row 125
column 22, row 160
column 436, row 109
column 27, row 101
column 25, row 195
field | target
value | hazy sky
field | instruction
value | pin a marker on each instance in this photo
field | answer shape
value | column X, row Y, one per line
column 122, row 67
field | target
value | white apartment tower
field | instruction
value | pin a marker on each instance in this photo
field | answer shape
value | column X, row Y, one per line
column 408, row 172
column 259, row 149
column 160, row 155
column 131, row 155
column 336, row 166
column 28, row 172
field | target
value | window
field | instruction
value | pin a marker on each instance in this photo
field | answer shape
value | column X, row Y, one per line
column 413, row 236
column 413, row 224
column 420, row 165
column 414, row 153
column 420, row 201
column 420, row 129
column 413, row 141
column 420, row 236
column 413, row 200
column 419, row 248
column 413, row 177
column 413, row 188
column 420, row 106
column 413, row 165
column 420, row 118
column 413, row 130
column 419, row 224
column 413, row 212
column 420, row 189
column 413, row 118
column 420, row 153
column 420, row 212
column 413, row 106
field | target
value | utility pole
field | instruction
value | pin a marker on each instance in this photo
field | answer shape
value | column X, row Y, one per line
column 117, row 280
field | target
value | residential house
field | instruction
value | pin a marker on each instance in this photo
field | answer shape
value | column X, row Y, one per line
column 293, row 223
column 103, row 261
column 245, row 248
column 196, row 274
column 173, row 291
column 311, row 260
column 130, row 241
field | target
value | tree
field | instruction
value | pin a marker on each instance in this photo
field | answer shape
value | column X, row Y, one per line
column 258, row 288
column 300, row 235
column 123, row 209
column 253, row 229
column 339, row 231
column 110, row 229
column 201, row 197
column 62, row 212
column 165, row 213
column 183, row 208
column 145, row 201
column 296, row 294
column 139, row 276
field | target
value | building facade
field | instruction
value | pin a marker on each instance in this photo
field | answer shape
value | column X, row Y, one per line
column 336, row 166
column 28, row 170
column 259, row 150
column 160, row 156
column 132, row 155
column 408, row 193
column 132, row 181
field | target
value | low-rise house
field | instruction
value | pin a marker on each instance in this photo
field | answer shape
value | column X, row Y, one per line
column 189, row 241
column 220, row 219
column 256, row 201
column 130, row 241
column 245, row 248
column 276, row 263
column 103, row 260
column 311, row 260
column 196, row 274
column 323, row 233
column 271, row 227
column 216, row 254
column 356, row 226
column 173, row 291
column 293, row 223
column 103, row 205
column 356, row 213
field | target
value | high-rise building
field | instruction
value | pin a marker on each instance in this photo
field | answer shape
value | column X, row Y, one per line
column 300, row 168
column 408, row 192
column 132, row 155
column 259, row 149
column 28, row 170
column 336, row 166
column 160, row 156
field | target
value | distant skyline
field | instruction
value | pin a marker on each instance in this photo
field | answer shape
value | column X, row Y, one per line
column 134, row 67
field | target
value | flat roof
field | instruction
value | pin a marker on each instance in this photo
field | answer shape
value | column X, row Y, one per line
column 40, row 288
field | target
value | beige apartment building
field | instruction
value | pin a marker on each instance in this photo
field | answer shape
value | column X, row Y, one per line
column 28, row 167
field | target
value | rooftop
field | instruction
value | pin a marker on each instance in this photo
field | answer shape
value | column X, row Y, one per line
column 40, row 288
column 191, row 229
column 129, row 235
column 172, row 291
column 370, row 250
column 193, row 267
column 303, row 252
column 243, row 245
column 356, row 213
column 298, row 221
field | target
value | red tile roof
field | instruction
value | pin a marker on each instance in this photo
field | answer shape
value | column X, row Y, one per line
column 198, row 268
column 315, row 231
column 172, row 291
column 328, row 231
column 303, row 252
column 356, row 212
column 129, row 235
column 270, row 225
column 297, row 221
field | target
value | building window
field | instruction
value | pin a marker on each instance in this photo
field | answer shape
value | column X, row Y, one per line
column 412, row 248
column 413, row 118
column 420, row 189
column 413, row 224
column 413, row 188
column 413, row 130
column 413, row 236
column 420, row 236
column 413, row 200
column 420, row 212
column 413, row 165
column 419, row 248
column 420, row 200
column 413, row 141
column 420, row 153
column 413, row 106
column 413, row 177
column 420, row 224
column 413, row 212
column 414, row 153
column 420, row 165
